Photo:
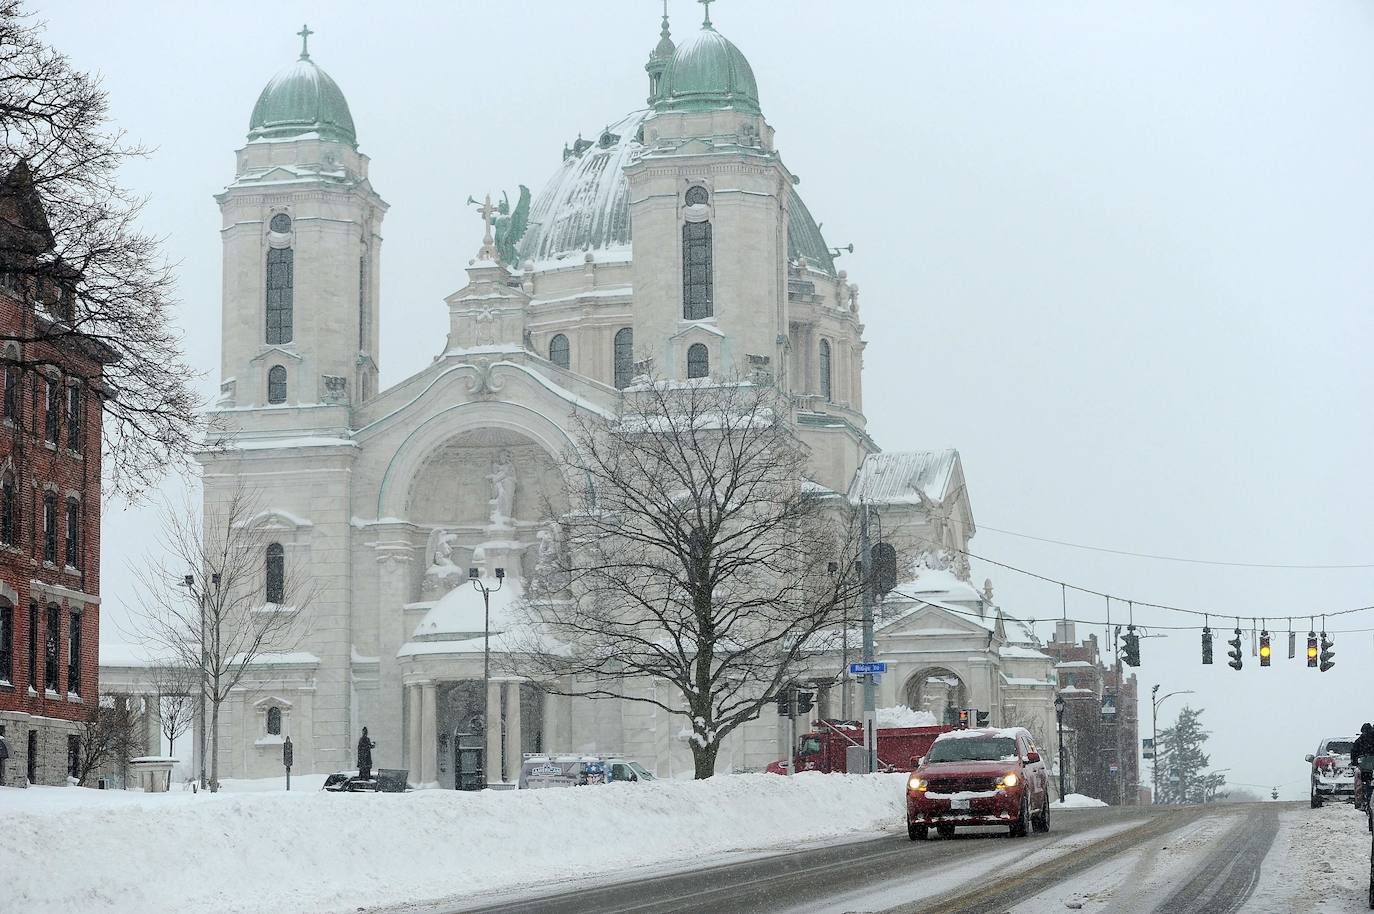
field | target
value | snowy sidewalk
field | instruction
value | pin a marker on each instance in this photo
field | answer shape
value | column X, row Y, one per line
column 1319, row 864
column 310, row 851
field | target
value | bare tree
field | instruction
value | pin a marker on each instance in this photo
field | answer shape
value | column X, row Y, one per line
column 70, row 245
column 111, row 735
column 218, row 598
column 175, row 685
column 688, row 549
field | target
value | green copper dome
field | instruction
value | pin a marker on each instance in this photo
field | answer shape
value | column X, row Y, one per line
column 302, row 99
column 706, row 73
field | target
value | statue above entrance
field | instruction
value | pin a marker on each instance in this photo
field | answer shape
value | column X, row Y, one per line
column 502, row 500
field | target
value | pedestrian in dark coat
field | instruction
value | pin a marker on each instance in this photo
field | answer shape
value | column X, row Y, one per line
column 1364, row 744
column 365, row 747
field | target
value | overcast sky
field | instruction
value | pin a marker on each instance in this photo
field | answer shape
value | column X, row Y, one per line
column 1118, row 254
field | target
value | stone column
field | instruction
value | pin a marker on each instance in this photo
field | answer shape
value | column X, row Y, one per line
column 429, row 750
column 394, row 560
column 153, row 718
column 514, row 743
column 414, row 724
column 493, row 763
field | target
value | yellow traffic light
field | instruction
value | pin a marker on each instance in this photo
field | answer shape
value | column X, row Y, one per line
column 1312, row 651
column 1265, row 651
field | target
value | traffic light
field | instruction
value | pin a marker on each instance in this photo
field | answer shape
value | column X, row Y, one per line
column 1207, row 645
column 1130, row 647
column 1327, row 653
column 1312, row 649
column 1234, row 653
column 806, row 700
column 1266, row 651
column 785, row 703
column 963, row 719
column 1275, row 793
column 982, row 718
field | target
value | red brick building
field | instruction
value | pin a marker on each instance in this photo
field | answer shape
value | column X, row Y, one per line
column 50, row 440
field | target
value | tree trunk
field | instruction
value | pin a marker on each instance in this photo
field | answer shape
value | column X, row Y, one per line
column 704, row 759
column 214, row 747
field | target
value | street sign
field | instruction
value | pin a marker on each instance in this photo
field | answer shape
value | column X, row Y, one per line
column 1147, row 747
column 868, row 667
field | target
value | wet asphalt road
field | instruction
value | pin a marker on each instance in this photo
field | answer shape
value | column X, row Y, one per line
column 923, row 877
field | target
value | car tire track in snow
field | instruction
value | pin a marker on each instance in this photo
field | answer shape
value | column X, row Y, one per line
column 1230, row 872
column 998, row 897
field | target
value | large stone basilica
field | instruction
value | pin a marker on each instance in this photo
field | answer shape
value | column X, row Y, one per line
column 673, row 241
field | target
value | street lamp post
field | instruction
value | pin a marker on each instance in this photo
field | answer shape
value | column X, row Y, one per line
column 1059, row 716
column 1154, row 735
column 476, row 579
column 189, row 582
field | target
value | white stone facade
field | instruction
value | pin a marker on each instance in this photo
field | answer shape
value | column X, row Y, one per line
column 386, row 497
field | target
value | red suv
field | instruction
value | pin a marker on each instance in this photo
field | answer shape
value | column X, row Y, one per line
column 979, row 777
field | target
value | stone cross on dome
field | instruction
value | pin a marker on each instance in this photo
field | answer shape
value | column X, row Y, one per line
column 305, row 34
column 486, row 209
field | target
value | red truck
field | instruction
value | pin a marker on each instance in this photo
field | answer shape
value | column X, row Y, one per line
column 825, row 748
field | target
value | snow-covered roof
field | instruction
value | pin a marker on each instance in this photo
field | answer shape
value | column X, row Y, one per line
column 1020, row 652
column 895, row 477
column 463, row 612
column 1072, row 665
column 984, row 733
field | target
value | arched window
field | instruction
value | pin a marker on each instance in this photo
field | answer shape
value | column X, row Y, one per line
column 276, row 384
column 9, row 509
column 281, row 223
column 698, row 361
column 624, row 357
column 276, row 573
column 825, row 370
column 73, row 548
column 280, row 268
column 697, row 196
column 50, row 528
column 559, row 352
column 696, row 270
column 274, row 721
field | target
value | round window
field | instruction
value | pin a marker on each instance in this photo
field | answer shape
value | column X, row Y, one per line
column 697, row 196
column 281, row 223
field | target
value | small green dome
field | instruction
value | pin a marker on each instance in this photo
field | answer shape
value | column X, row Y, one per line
column 706, row 73
column 302, row 99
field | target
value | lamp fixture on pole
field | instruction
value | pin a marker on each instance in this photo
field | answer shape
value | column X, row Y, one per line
column 476, row 578
column 1059, row 716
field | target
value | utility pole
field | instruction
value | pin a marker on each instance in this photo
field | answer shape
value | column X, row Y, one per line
column 1154, row 733
column 866, row 601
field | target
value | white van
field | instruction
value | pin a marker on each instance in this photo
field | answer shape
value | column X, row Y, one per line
column 544, row 770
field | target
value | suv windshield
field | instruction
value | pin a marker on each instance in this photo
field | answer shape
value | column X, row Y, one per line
column 1340, row 747
column 973, row 749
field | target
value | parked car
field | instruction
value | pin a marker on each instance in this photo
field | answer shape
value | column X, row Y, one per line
column 1333, row 777
column 538, row 771
column 385, row 780
column 985, row 776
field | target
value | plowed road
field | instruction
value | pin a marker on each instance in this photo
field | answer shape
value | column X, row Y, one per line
column 1149, row 860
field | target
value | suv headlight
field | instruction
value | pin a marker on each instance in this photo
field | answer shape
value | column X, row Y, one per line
column 915, row 783
column 1008, row 780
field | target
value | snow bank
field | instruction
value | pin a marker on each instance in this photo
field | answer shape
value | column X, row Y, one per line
column 902, row 716
column 311, row 851
column 1319, row 863
column 1078, row 801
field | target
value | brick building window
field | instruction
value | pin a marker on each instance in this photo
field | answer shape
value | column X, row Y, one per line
column 33, row 646
column 73, row 755
column 32, row 767
column 52, row 653
column 74, row 418
column 50, row 527
column 73, row 549
column 6, row 641
column 274, row 721
column 12, row 394
column 9, row 509
column 52, row 420
column 276, row 573
column 74, row 654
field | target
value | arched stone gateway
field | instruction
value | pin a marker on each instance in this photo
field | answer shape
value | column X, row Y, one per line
column 936, row 689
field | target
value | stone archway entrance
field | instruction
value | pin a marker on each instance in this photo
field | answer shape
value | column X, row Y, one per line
column 937, row 690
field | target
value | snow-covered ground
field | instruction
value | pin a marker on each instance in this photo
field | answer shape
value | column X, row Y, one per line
column 250, row 850
column 1078, row 801
column 1319, row 864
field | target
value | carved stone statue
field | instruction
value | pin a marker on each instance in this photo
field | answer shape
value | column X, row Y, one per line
column 510, row 226
column 987, row 589
column 484, row 329
column 443, row 573
column 502, row 479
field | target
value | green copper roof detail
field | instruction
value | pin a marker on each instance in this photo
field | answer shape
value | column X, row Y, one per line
column 665, row 47
column 302, row 99
column 804, row 237
column 708, row 73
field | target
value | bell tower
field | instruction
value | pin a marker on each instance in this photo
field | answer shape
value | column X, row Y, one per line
column 709, row 214
column 302, row 250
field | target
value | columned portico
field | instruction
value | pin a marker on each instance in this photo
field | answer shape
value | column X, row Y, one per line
column 429, row 743
column 513, row 743
column 493, row 763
